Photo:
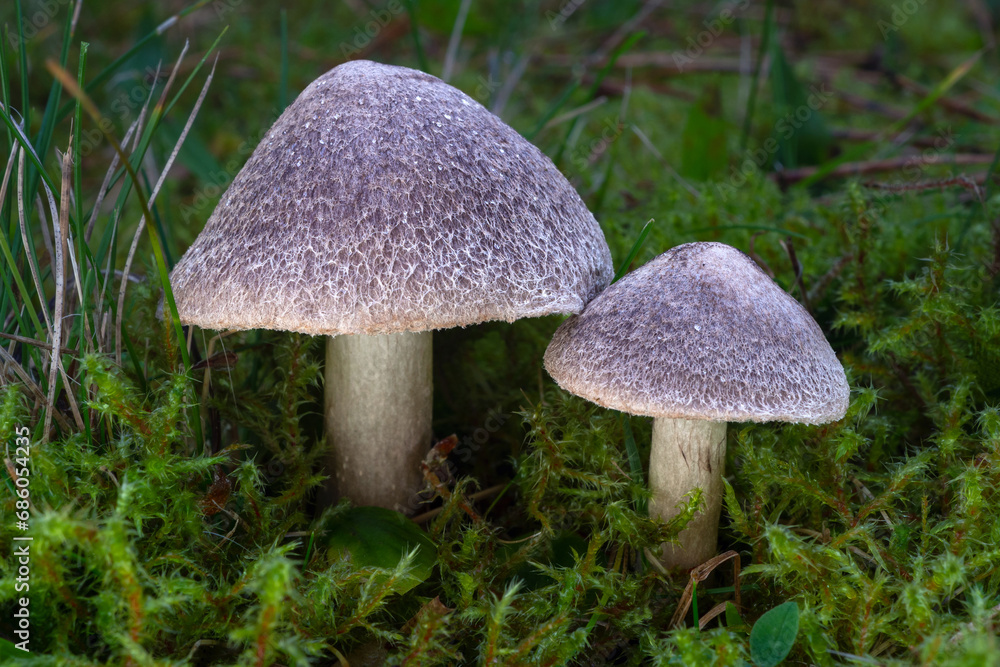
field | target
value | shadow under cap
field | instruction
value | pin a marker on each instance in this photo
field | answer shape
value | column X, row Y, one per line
column 384, row 200
column 700, row 332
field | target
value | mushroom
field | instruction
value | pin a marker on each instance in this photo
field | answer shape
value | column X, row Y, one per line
column 698, row 337
column 381, row 205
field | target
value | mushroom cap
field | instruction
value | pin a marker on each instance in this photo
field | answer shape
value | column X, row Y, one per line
column 700, row 332
column 384, row 200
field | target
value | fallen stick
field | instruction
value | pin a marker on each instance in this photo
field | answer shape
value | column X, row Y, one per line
column 875, row 166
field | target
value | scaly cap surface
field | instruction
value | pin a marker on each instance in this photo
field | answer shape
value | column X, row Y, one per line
column 384, row 200
column 700, row 332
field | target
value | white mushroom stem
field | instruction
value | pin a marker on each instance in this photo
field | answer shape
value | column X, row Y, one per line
column 686, row 455
column 378, row 417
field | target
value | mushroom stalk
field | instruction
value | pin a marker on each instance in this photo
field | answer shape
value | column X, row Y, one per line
column 378, row 417
column 688, row 454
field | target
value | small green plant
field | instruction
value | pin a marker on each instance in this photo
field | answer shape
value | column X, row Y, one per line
column 375, row 536
column 773, row 635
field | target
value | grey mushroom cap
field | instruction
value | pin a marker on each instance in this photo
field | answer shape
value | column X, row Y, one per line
column 384, row 200
column 700, row 332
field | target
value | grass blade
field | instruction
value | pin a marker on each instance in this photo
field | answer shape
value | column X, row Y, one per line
column 41, row 334
column 22, row 54
column 5, row 87
column 152, row 198
column 596, row 86
column 636, row 247
column 944, row 86
column 154, row 238
column 283, row 83
column 11, row 265
column 108, row 71
column 55, row 358
column 765, row 40
column 455, row 40
column 159, row 112
column 44, row 138
column 554, row 108
column 411, row 9
column 634, row 462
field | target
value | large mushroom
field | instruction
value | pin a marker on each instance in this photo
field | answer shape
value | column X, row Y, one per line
column 381, row 205
column 698, row 337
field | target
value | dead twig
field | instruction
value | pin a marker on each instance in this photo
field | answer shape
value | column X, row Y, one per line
column 663, row 61
column 623, row 31
column 475, row 497
column 60, row 229
column 700, row 574
column 797, row 269
column 824, row 281
column 759, row 261
column 789, row 176
column 10, row 363
column 42, row 301
column 872, row 106
column 37, row 343
column 666, row 165
column 947, row 103
column 853, row 134
column 618, row 88
column 868, row 495
column 430, row 466
column 962, row 180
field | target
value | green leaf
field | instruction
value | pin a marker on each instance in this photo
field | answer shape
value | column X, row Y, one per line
column 634, row 462
column 10, row 652
column 734, row 621
column 562, row 552
column 636, row 247
column 379, row 537
column 801, row 133
column 703, row 142
column 774, row 634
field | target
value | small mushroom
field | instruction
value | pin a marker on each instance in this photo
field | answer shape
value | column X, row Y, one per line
column 698, row 337
column 381, row 205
